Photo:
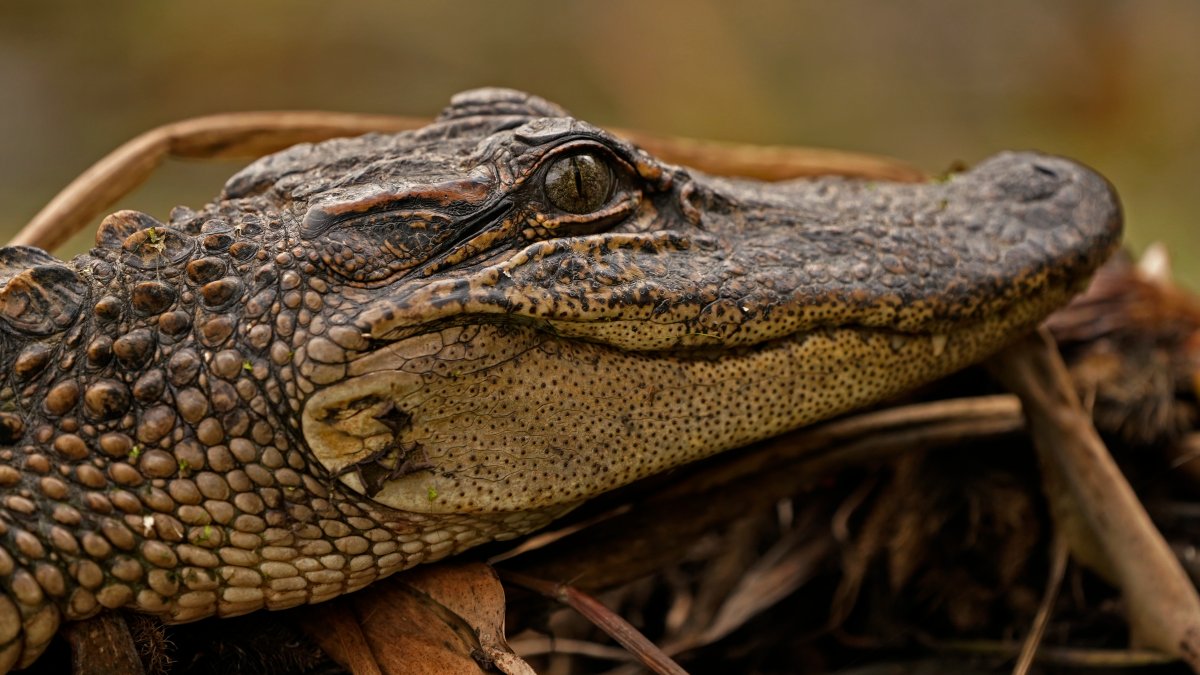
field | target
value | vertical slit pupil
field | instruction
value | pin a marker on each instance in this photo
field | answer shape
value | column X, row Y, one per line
column 578, row 179
column 578, row 184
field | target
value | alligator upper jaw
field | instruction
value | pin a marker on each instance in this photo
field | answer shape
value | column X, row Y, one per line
column 772, row 260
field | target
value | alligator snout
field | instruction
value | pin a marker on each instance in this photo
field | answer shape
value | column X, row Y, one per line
column 1072, row 211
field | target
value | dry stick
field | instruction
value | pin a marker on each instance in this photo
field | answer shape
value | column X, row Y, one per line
column 771, row 162
column 249, row 135
column 1058, row 656
column 543, row 644
column 1058, row 569
column 869, row 436
column 604, row 618
column 232, row 135
column 1163, row 607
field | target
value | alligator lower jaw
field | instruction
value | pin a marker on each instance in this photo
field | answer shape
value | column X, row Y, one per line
column 496, row 418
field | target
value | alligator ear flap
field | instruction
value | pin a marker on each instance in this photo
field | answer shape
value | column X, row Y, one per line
column 43, row 297
column 14, row 259
column 118, row 227
column 498, row 102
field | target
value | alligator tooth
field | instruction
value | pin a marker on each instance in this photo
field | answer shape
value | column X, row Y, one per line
column 939, row 343
column 898, row 342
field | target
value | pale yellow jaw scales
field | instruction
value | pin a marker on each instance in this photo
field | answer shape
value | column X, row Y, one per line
column 513, row 419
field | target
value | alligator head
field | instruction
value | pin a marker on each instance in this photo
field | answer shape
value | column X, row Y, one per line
column 374, row 352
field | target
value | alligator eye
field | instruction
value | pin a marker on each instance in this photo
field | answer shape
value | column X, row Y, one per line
column 579, row 183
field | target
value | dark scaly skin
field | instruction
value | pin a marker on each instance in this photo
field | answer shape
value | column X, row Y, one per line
column 376, row 352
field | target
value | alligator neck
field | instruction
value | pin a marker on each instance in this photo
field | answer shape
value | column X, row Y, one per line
column 147, row 459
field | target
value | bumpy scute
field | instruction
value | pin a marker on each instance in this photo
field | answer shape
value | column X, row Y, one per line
column 371, row 353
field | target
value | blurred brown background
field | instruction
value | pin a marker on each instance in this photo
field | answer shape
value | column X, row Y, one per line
column 1115, row 84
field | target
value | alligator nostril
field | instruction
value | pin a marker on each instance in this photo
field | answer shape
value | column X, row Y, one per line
column 1045, row 170
column 1029, row 179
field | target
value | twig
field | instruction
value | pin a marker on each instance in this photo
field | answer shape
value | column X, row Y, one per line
column 1058, row 568
column 1058, row 656
column 231, row 135
column 542, row 644
column 604, row 618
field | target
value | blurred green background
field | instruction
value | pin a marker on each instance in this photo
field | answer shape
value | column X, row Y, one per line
column 1114, row 84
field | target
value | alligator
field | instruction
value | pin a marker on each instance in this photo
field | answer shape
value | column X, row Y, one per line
column 374, row 352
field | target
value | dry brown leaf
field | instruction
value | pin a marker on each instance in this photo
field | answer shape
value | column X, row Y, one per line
column 437, row 620
column 474, row 593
